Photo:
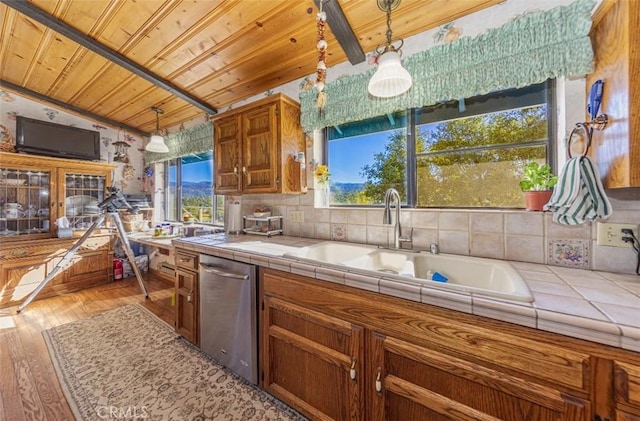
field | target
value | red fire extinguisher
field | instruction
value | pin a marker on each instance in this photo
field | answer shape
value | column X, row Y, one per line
column 117, row 269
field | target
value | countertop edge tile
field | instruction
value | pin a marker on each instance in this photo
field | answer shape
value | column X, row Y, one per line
column 357, row 280
column 279, row 264
column 242, row 256
column 259, row 260
column 303, row 269
column 399, row 289
column 507, row 312
column 330, row 275
column 446, row 299
column 589, row 329
column 630, row 338
column 226, row 254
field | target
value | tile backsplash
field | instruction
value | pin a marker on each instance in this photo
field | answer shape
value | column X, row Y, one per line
column 500, row 234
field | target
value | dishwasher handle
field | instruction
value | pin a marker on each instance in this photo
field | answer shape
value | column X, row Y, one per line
column 217, row 270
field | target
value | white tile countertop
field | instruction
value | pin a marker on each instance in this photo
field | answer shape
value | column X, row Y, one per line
column 602, row 307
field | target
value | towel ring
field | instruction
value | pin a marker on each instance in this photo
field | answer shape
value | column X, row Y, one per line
column 599, row 123
column 576, row 130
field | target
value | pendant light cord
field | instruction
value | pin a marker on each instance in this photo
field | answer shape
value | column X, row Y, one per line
column 389, row 33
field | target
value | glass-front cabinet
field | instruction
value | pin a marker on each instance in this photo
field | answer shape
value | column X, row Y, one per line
column 25, row 198
column 82, row 193
column 35, row 191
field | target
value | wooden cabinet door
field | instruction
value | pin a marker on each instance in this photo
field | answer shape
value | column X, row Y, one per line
column 187, row 305
column 312, row 361
column 411, row 382
column 20, row 278
column 260, row 149
column 627, row 390
column 90, row 268
column 227, row 154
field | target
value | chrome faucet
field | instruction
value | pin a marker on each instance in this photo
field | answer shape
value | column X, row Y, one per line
column 393, row 195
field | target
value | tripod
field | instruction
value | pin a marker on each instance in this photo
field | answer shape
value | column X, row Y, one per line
column 109, row 206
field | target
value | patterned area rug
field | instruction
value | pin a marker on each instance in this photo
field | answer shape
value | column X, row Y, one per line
column 128, row 364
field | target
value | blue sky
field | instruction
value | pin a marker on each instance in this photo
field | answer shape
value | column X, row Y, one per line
column 197, row 171
column 193, row 172
column 348, row 156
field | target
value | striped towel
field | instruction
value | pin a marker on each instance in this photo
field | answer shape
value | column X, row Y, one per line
column 579, row 196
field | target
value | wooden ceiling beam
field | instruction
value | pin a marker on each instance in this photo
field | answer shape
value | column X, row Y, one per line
column 342, row 30
column 47, row 99
column 37, row 14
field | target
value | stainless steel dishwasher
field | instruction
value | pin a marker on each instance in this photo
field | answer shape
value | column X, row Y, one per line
column 228, row 321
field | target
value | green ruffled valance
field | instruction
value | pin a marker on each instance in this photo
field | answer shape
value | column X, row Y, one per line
column 196, row 140
column 529, row 49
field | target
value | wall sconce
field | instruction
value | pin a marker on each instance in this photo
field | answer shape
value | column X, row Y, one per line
column 390, row 79
column 157, row 141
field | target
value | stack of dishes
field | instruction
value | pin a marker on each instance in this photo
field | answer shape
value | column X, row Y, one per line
column 81, row 205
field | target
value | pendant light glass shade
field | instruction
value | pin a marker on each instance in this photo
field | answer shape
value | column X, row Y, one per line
column 390, row 79
column 156, row 143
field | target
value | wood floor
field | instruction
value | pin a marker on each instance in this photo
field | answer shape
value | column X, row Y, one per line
column 29, row 387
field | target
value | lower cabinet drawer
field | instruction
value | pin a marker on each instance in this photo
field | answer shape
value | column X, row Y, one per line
column 187, row 261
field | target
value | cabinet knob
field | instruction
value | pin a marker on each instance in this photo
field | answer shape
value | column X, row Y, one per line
column 190, row 296
column 244, row 170
column 235, row 170
column 352, row 371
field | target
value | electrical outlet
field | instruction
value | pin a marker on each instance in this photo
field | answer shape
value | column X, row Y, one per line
column 296, row 216
column 611, row 234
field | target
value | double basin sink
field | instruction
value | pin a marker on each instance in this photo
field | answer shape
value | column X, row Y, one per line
column 482, row 276
column 488, row 277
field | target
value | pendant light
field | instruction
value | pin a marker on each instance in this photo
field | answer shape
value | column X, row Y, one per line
column 157, row 141
column 390, row 79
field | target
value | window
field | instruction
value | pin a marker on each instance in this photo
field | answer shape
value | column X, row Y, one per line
column 189, row 190
column 366, row 158
column 468, row 153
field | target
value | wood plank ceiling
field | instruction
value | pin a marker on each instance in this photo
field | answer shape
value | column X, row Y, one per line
column 216, row 51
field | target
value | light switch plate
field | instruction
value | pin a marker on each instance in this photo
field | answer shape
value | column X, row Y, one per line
column 611, row 234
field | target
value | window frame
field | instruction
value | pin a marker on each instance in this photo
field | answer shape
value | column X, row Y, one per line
column 480, row 105
column 178, row 195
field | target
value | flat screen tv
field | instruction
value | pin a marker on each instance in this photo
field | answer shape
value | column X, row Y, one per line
column 51, row 139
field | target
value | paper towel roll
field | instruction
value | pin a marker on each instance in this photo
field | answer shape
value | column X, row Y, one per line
column 233, row 219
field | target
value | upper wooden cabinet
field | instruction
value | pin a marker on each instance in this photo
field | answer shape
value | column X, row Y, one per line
column 255, row 148
column 615, row 38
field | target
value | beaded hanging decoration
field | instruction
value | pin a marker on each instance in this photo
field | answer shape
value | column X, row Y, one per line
column 321, row 69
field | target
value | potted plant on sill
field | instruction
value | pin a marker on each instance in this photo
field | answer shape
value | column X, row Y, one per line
column 537, row 184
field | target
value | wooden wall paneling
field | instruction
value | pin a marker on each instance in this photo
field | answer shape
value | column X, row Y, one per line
column 204, row 52
column 615, row 39
column 135, row 21
column 247, row 49
column 22, row 45
column 95, row 76
column 409, row 18
column 220, row 24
